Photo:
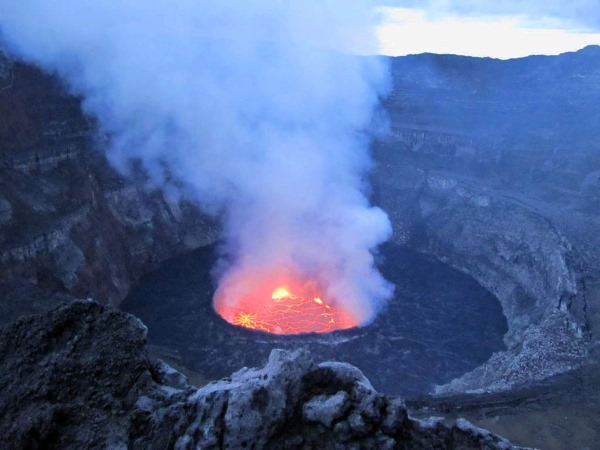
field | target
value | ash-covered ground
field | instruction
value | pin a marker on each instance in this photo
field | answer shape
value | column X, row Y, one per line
column 439, row 325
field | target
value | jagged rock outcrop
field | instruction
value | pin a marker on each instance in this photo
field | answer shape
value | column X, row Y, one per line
column 70, row 377
column 79, row 377
column 70, row 224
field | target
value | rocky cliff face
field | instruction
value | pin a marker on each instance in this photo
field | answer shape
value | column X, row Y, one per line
column 69, row 224
column 513, row 252
column 6, row 71
column 79, row 377
column 491, row 167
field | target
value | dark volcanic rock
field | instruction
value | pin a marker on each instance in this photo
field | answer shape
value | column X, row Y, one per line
column 70, row 377
column 70, row 224
column 79, row 377
column 6, row 70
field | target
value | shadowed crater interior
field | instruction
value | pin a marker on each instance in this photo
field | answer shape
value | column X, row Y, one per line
column 439, row 325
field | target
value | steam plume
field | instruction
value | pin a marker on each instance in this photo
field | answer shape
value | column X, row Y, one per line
column 259, row 107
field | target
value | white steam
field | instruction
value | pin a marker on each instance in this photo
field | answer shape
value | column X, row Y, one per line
column 255, row 105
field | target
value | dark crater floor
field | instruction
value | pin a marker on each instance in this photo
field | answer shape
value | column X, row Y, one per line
column 439, row 325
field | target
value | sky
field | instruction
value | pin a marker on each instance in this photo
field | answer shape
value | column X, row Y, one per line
column 500, row 29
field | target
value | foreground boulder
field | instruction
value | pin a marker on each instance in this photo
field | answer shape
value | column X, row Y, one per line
column 79, row 377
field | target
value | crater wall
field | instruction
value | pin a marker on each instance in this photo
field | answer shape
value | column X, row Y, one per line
column 70, row 226
column 507, row 245
column 495, row 180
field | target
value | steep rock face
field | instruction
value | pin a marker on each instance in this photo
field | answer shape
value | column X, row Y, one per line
column 491, row 167
column 511, row 249
column 6, row 70
column 527, row 264
column 68, row 222
column 524, row 108
column 79, row 377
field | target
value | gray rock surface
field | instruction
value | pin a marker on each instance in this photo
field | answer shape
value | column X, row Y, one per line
column 79, row 377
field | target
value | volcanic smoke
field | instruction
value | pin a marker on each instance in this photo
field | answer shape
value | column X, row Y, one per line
column 258, row 111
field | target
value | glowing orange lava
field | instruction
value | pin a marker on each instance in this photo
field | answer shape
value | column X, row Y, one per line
column 293, row 308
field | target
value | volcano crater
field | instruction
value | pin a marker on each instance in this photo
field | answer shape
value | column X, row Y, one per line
column 439, row 325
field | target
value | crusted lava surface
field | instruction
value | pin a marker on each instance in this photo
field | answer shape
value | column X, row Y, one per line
column 439, row 325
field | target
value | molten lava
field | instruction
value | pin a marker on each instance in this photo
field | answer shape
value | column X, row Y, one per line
column 293, row 308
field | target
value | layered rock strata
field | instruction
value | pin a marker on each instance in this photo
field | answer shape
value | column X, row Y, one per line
column 69, row 224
